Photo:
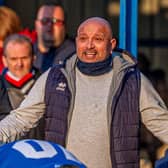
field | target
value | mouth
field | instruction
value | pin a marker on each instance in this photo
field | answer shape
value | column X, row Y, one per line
column 90, row 54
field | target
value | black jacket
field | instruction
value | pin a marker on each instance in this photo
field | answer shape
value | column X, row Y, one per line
column 54, row 55
column 12, row 94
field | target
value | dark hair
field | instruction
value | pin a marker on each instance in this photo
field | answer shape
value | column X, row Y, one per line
column 55, row 3
column 52, row 2
column 18, row 38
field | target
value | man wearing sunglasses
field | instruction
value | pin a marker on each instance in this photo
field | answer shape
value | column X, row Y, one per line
column 53, row 44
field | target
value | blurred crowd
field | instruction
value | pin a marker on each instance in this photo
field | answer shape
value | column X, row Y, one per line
column 26, row 54
column 152, row 148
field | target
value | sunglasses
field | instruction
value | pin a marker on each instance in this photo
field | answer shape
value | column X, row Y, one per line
column 54, row 21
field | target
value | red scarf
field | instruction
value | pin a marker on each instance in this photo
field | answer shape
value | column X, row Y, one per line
column 21, row 82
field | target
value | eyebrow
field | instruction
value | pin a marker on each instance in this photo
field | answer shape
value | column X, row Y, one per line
column 97, row 34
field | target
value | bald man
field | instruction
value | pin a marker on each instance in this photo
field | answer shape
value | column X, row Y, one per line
column 94, row 104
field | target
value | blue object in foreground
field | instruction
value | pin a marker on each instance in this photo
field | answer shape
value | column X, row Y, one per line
column 32, row 153
column 163, row 162
column 1, row 2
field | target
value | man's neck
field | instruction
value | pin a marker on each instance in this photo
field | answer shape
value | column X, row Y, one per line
column 13, row 76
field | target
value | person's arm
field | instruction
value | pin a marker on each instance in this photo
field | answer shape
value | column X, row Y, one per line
column 154, row 113
column 27, row 115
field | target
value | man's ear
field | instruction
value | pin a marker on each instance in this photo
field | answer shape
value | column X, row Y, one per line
column 4, row 61
column 113, row 43
column 33, row 59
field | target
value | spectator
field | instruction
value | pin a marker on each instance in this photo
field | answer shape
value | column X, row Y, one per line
column 93, row 104
column 10, row 24
column 150, row 144
column 144, row 64
column 53, row 44
column 18, row 76
column 147, row 138
column 158, row 79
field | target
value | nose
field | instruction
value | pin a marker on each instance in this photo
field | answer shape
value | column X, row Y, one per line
column 50, row 27
column 90, row 44
column 50, row 23
column 19, row 62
